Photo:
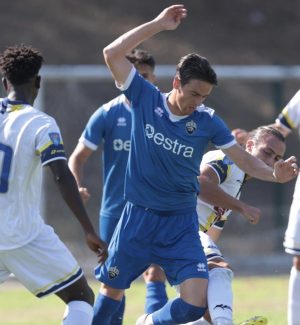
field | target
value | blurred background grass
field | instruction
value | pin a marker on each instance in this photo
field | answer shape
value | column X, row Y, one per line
column 259, row 295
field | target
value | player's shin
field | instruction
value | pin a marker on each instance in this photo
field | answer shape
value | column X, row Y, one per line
column 219, row 295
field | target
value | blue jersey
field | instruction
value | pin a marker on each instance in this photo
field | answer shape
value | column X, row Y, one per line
column 165, row 154
column 111, row 123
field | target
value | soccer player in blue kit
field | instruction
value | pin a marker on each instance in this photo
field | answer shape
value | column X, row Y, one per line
column 169, row 135
column 111, row 124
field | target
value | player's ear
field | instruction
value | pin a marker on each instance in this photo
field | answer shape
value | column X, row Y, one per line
column 176, row 82
column 37, row 83
column 249, row 145
column 4, row 83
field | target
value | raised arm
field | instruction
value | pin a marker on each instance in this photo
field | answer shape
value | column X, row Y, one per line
column 115, row 53
column 284, row 170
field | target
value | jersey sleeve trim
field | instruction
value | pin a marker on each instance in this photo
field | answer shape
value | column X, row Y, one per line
column 51, row 152
column 128, row 81
column 215, row 170
column 285, row 121
column 88, row 143
column 219, row 224
column 44, row 163
column 227, row 145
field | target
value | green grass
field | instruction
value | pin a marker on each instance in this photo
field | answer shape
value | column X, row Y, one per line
column 252, row 296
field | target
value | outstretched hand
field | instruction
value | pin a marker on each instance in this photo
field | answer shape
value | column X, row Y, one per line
column 286, row 170
column 98, row 246
column 171, row 17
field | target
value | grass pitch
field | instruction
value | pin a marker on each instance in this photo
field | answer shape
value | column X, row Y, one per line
column 265, row 296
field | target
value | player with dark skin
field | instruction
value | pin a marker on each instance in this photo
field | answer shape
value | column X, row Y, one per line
column 20, row 67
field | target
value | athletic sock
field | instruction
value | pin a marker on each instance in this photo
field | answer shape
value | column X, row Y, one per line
column 177, row 311
column 156, row 296
column 104, row 309
column 294, row 298
column 219, row 294
column 117, row 317
column 78, row 313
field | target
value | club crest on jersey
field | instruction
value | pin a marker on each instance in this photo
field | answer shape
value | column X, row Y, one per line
column 190, row 127
column 55, row 138
column 113, row 272
column 121, row 121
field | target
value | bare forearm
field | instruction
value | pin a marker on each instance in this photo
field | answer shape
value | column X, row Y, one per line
column 76, row 169
column 213, row 194
column 251, row 165
column 128, row 41
column 69, row 191
column 71, row 196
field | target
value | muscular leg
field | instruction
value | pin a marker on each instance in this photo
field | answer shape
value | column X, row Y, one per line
column 79, row 298
column 107, row 304
column 190, row 306
column 294, row 293
column 156, row 295
column 107, row 225
column 219, row 294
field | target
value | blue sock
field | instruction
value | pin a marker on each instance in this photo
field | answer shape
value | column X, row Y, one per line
column 104, row 308
column 156, row 296
column 117, row 317
column 177, row 311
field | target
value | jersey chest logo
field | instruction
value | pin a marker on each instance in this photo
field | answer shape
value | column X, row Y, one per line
column 190, row 127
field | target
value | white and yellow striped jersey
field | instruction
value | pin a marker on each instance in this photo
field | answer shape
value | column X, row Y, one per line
column 289, row 118
column 231, row 178
column 29, row 139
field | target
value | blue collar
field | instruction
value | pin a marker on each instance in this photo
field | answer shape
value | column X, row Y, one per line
column 5, row 102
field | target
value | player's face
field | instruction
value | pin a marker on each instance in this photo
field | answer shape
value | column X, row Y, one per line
column 270, row 149
column 147, row 72
column 191, row 95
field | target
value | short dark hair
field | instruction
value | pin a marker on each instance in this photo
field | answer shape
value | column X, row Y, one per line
column 139, row 56
column 258, row 134
column 20, row 63
column 194, row 66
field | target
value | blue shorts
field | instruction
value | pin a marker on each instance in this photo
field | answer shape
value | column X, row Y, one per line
column 145, row 237
column 107, row 226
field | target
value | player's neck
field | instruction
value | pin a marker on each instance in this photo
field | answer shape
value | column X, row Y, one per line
column 20, row 96
column 173, row 107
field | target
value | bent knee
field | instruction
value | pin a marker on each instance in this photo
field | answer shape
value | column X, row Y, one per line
column 78, row 291
column 218, row 263
column 116, row 294
column 154, row 274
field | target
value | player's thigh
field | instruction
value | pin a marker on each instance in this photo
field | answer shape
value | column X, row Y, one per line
column 194, row 291
column 211, row 250
column 44, row 265
column 154, row 273
column 180, row 252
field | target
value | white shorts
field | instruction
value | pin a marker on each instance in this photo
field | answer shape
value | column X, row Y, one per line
column 292, row 234
column 211, row 250
column 43, row 266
